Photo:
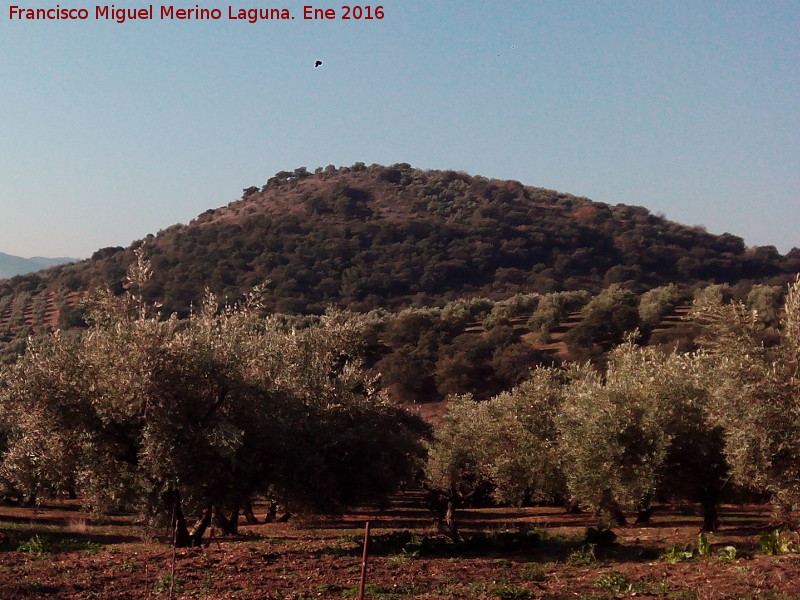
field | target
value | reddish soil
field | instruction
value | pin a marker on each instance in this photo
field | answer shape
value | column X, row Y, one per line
column 318, row 557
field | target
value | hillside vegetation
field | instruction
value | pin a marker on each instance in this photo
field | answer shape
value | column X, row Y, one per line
column 364, row 237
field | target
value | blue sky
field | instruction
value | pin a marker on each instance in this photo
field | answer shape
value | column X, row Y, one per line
column 112, row 131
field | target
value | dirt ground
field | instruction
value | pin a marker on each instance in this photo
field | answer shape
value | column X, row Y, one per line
column 56, row 551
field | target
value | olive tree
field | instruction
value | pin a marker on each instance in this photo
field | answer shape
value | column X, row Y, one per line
column 654, row 304
column 452, row 470
column 605, row 320
column 191, row 417
column 39, row 454
column 506, row 446
column 756, row 394
column 637, row 429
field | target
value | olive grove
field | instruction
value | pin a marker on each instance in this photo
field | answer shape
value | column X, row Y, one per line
column 612, row 440
column 185, row 420
column 650, row 425
column 755, row 388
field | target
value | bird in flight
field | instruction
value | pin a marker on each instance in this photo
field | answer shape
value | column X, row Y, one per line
column 318, row 64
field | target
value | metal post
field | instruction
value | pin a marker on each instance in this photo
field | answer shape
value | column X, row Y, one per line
column 364, row 563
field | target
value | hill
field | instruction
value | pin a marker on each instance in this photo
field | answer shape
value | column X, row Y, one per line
column 365, row 237
column 16, row 265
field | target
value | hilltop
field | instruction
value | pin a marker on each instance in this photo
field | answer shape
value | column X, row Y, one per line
column 363, row 237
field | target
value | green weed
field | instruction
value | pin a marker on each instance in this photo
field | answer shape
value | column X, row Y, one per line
column 730, row 553
column 128, row 565
column 774, row 543
column 91, row 548
column 583, row 557
column 269, row 540
column 370, row 589
column 476, row 589
column 44, row 546
column 35, row 546
column 703, row 546
column 324, row 588
column 615, row 582
column 511, row 592
column 533, row 572
column 380, row 592
column 206, row 586
column 163, row 585
column 403, row 557
column 678, row 553
column 654, row 585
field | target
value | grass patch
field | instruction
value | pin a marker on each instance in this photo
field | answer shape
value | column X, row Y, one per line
column 614, row 582
column 41, row 545
column 508, row 591
column 532, row 571
column 167, row 583
column 582, row 557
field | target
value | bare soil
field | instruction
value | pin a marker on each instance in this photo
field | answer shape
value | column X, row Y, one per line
column 56, row 551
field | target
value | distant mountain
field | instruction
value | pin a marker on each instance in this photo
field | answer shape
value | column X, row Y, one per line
column 52, row 262
column 364, row 237
column 15, row 265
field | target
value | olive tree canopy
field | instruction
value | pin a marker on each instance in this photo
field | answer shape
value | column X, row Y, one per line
column 173, row 417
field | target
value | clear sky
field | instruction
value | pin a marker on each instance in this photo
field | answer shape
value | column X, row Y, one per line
column 112, row 131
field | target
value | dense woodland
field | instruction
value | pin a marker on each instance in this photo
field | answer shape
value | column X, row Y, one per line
column 592, row 356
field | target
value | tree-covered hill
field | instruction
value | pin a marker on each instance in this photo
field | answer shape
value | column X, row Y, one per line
column 374, row 236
